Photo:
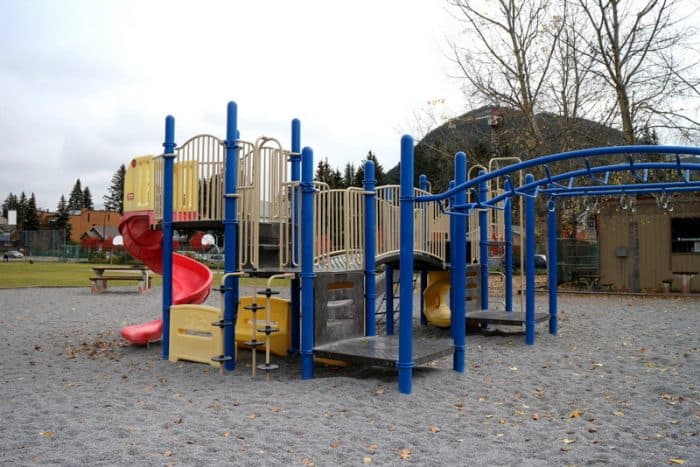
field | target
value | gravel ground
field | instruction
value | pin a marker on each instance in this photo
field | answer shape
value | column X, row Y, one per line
column 618, row 385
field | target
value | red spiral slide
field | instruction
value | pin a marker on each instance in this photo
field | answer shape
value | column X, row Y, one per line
column 191, row 279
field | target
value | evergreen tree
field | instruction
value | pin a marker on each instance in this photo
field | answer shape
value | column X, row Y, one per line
column 10, row 204
column 75, row 200
column 31, row 220
column 349, row 175
column 378, row 169
column 63, row 217
column 114, row 199
column 323, row 171
column 87, row 199
column 21, row 210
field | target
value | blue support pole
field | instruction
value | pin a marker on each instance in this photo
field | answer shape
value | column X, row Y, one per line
column 423, row 185
column 370, row 183
column 295, row 158
column 232, row 283
column 529, row 265
column 168, row 184
column 405, row 363
column 483, row 245
column 389, row 299
column 307, row 263
column 508, row 234
column 552, row 267
column 453, row 255
column 459, row 268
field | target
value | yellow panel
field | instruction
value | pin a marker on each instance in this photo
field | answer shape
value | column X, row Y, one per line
column 437, row 302
column 185, row 192
column 192, row 336
column 280, row 310
column 138, row 185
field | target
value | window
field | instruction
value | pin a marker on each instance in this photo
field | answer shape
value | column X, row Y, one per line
column 685, row 235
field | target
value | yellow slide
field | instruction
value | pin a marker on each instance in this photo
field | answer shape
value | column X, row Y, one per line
column 437, row 299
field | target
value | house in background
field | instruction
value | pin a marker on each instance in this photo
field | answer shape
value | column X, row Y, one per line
column 641, row 248
column 83, row 221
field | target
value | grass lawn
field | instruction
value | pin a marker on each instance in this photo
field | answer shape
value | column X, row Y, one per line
column 25, row 274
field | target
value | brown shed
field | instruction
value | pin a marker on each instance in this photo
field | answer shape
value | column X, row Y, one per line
column 641, row 248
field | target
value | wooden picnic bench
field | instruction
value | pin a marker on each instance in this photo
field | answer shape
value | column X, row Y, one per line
column 105, row 274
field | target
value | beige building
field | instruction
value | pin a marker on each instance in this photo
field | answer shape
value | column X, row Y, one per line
column 641, row 248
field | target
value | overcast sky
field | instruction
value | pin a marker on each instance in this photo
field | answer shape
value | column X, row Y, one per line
column 85, row 85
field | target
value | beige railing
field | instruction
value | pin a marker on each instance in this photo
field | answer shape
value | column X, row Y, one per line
column 339, row 223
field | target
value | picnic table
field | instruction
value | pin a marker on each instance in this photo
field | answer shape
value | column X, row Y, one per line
column 104, row 274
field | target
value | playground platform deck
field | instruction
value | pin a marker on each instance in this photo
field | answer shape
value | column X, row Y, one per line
column 383, row 350
column 508, row 318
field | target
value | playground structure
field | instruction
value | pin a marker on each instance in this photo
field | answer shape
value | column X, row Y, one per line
column 278, row 220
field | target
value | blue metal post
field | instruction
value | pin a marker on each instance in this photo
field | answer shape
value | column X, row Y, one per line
column 307, row 263
column 405, row 363
column 453, row 255
column 168, row 183
column 508, row 234
column 232, row 283
column 552, row 266
column 370, row 250
column 389, row 299
column 483, row 245
column 530, row 265
column 295, row 158
column 459, row 268
column 423, row 185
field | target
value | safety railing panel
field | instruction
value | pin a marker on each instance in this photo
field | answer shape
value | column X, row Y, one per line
column 339, row 228
column 264, row 195
column 431, row 227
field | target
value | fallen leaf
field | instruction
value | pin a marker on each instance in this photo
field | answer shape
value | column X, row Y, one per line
column 167, row 453
column 336, row 444
column 380, row 390
column 308, row 461
column 173, row 423
column 569, row 440
column 650, row 364
column 252, row 416
column 226, row 434
column 275, row 409
column 535, row 416
column 592, row 430
column 405, row 453
column 459, row 405
column 676, row 460
column 618, row 413
column 372, row 448
column 513, row 368
column 576, row 413
column 366, row 460
column 47, row 434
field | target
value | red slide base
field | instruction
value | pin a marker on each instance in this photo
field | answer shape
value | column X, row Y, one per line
column 142, row 334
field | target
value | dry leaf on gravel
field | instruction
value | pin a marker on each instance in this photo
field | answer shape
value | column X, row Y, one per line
column 576, row 413
column 308, row 461
column 434, row 429
column 676, row 460
column 366, row 460
column 405, row 453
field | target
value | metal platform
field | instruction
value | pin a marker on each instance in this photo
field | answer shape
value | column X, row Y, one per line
column 511, row 318
column 384, row 350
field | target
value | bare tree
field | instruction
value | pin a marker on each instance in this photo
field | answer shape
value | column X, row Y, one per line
column 637, row 52
column 508, row 58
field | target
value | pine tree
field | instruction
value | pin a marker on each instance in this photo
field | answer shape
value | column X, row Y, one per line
column 87, row 199
column 114, row 199
column 31, row 220
column 323, row 171
column 75, row 200
column 10, row 204
column 378, row 169
column 21, row 210
column 63, row 217
column 349, row 175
